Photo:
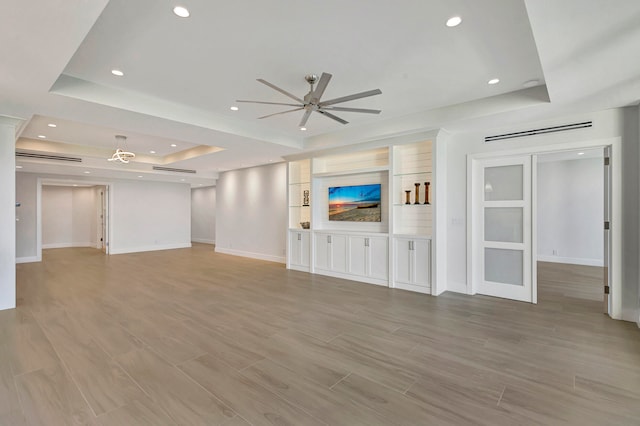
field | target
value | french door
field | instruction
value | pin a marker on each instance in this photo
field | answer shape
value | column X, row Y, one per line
column 504, row 219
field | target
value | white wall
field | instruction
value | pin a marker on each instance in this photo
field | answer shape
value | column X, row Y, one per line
column 570, row 211
column 251, row 212
column 606, row 125
column 7, row 214
column 203, row 215
column 26, row 184
column 148, row 216
column 69, row 216
column 144, row 215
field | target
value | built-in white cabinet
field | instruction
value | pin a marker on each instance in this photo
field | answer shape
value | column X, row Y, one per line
column 299, row 250
column 362, row 257
column 412, row 263
column 391, row 249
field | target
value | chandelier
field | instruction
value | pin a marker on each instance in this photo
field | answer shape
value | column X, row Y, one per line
column 121, row 154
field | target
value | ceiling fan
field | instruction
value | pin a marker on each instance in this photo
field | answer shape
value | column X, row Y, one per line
column 311, row 101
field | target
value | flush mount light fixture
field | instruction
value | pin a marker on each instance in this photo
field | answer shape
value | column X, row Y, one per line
column 52, row 125
column 117, row 73
column 234, row 108
column 494, row 81
column 181, row 11
column 454, row 21
column 122, row 155
column 42, row 136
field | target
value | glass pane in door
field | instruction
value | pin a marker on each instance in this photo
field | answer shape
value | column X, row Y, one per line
column 504, row 266
column 503, row 224
column 503, row 183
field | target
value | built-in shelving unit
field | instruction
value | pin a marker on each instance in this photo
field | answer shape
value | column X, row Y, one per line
column 396, row 251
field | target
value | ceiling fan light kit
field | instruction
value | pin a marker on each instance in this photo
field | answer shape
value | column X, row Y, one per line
column 312, row 103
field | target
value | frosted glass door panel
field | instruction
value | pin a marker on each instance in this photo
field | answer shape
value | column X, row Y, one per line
column 503, row 266
column 503, row 183
column 503, row 224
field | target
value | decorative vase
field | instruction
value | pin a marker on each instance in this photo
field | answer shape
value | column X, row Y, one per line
column 417, row 193
column 408, row 200
column 426, row 192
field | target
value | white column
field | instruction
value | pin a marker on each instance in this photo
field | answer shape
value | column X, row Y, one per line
column 8, row 212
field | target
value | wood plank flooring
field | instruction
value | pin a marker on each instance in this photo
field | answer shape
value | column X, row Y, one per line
column 191, row 337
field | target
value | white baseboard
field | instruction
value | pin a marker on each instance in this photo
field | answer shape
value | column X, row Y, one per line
column 28, row 259
column 570, row 260
column 414, row 288
column 202, row 241
column 149, row 248
column 260, row 256
column 457, row 288
column 67, row 245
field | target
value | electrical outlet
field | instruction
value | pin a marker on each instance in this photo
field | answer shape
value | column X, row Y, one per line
column 555, row 252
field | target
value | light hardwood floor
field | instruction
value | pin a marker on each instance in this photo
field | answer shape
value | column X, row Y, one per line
column 190, row 337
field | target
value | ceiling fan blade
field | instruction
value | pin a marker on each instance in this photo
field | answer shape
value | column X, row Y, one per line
column 267, row 103
column 320, row 88
column 366, row 111
column 305, row 117
column 333, row 117
column 351, row 97
column 284, row 92
column 282, row 112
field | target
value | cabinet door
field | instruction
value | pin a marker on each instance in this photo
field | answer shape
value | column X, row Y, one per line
column 403, row 261
column 294, row 248
column 422, row 262
column 358, row 255
column 378, row 260
column 338, row 250
column 322, row 251
column 304, row 248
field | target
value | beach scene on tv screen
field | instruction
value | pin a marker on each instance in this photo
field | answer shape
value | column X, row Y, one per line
column 358, row 203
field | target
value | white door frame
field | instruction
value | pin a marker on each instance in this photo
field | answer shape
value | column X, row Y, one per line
column 473, row 225
column 53, row 181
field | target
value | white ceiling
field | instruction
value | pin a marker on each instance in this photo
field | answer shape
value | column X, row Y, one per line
column 183, row 74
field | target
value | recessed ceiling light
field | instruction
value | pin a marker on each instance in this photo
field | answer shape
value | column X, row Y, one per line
column 42, row 136
column 454, row 21
column 75, row 184
column 173, row 145
column 87, row 172
column 234, row 108
column 52, row 125
column 152, row 152
column 18, row 167
column 304, row 129
column 181, row 11
column 531, row 83
column 494, row 81
column 140, row 176
column 117, row 73
column 181, row 180
column 200, row 185
column 581, row 153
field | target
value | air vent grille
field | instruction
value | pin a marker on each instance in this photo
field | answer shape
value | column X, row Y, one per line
column 541, row 131
column 174, row 170
column 49, row 157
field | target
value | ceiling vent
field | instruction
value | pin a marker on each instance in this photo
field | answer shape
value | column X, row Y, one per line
column 49, row 157
column 541, row 131
column 173, row 170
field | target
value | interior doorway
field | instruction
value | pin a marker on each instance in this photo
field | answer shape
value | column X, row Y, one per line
column 498, row 277
column 72, row 214
column 570, row 209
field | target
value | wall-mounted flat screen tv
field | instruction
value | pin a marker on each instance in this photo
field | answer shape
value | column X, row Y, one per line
column 358, row 203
